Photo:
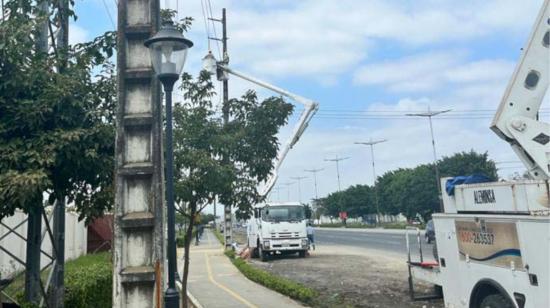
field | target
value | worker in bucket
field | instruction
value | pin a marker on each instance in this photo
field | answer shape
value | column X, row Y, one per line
column 311, row 234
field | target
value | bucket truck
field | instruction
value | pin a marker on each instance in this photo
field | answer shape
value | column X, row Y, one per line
column 493, row 239
column 276, row 227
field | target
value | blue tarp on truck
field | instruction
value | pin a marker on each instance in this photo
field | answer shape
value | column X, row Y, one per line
column 470, row 179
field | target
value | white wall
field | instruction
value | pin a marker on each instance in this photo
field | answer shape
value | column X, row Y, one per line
column 75, row 242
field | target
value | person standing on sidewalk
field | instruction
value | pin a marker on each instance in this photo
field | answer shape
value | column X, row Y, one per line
column 311, row 234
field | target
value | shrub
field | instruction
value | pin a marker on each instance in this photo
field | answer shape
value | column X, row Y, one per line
column 89, row 281
column 282, row 285
column 219, row 236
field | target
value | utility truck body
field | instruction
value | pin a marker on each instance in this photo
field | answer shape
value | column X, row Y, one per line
column 493, row 239
column 278, row 227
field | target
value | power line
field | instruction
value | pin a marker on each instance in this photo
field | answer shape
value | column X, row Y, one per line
column 209, row 10
column 206, row 27
column 109, row 14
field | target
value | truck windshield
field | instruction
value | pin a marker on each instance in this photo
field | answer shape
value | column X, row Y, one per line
column 283, row 213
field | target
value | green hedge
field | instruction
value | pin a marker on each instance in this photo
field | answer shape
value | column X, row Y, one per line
column 282, row 285
column 89, row 281
column 219, row 236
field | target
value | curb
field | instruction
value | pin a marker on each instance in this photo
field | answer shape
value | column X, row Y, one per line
column 191, row 300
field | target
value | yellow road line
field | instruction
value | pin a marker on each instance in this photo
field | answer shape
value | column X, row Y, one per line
column 226, row 289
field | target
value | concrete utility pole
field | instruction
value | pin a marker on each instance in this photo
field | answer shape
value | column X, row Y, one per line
column 299, row 179
column 429, row 115
column 371, row 143
column 139, row 243
column 228, row 234
column 57, row 296
column 337, row 161
column 228, row 230
column 34, row 223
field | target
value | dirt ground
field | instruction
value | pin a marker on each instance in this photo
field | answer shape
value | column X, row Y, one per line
column 349, row 277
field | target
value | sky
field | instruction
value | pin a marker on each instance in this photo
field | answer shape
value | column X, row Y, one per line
column 367, row 63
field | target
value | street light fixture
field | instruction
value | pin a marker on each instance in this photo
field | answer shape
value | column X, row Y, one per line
column 168, row 51
column 429, row 115
column 371, row 143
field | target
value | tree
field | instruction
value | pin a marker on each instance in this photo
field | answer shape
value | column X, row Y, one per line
column 357, row 201
column 56, row 130
column 249, row 142
column 466, row 163
column 409, row 191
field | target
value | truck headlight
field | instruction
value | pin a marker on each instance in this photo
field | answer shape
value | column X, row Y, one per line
column 304, row 242
column 266, row 244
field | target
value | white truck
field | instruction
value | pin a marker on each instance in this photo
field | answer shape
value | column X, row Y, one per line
column 275, row 227
column 493, row 239
column 278, row 227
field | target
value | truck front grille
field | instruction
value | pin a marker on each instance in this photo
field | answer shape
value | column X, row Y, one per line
column 286, row 235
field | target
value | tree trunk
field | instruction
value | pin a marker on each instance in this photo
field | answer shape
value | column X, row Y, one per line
column 187, row 244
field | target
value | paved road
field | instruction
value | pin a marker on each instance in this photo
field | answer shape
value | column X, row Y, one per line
column 390, row 241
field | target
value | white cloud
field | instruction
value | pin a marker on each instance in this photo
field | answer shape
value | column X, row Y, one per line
column 77, row 34
column 432, row 71
column 323, row 39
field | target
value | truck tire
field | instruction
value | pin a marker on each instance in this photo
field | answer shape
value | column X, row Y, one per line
column 254, row 253
column 302, row 253
column 496, row 301
column 264, row 257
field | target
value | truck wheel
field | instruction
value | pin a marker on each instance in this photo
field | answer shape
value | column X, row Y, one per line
column 302, row 253
column 263, row 255
column 496, row 301
column 254, row 253
column 435, row 253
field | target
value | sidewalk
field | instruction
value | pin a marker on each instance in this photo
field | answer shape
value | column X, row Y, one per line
column 215, row 282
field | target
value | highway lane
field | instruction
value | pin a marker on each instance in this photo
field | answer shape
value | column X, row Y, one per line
column 393, row 242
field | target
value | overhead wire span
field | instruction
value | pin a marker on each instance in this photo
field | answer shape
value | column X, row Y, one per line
column 209, row 9
column 206, row 27
column 109, row 14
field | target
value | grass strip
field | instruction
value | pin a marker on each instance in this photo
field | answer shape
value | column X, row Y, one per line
column 276, row 283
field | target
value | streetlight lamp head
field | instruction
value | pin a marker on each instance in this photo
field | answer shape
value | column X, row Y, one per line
column 209, row 63
column 168, row 51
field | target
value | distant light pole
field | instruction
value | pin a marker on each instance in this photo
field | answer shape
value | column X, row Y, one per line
column 337, row 161
column 314, row 171
column 429, row 115
column 299, row 179
column 371, row 143
column 168, row 50
column 287, row 184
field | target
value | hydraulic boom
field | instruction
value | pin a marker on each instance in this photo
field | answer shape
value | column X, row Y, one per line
column 310, row 108
column 516, row 120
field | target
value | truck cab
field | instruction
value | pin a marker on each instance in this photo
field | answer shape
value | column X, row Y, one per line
column 278, row 228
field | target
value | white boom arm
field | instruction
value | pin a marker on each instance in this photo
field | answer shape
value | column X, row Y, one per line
column 310, row 108
column 516, row 120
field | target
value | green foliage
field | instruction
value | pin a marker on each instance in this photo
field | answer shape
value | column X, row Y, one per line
column 89, row 281
column 219, row 236
column 409, row 191
column 56, row 128
column 282, row 285
column 229, row 161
